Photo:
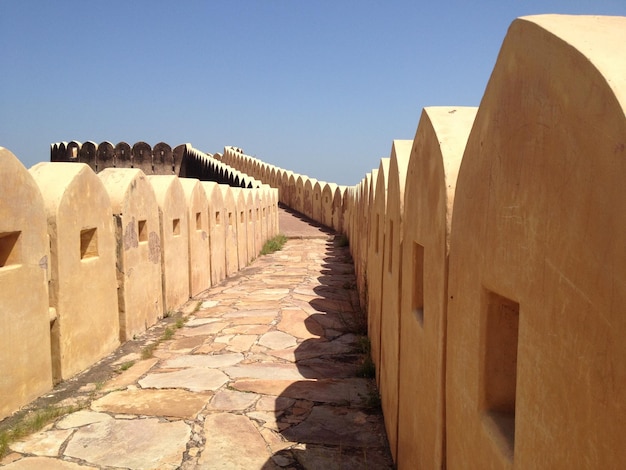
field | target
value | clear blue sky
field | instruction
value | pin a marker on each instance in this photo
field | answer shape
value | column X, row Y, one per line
column 318, row 87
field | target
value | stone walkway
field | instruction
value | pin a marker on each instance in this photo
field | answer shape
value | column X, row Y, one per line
column 262, row 374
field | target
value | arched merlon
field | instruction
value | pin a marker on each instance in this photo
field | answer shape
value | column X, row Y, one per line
column 83, row 284
column 431, row 178
column 24, row 262
column 138, row 253
column 537, row 287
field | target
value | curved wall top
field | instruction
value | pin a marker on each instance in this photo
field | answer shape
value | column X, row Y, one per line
column 430, row 182
column 537, row 261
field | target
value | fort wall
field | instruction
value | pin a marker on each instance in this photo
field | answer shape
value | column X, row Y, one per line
column 100, row 258
column 507, row 344
column 490, row 260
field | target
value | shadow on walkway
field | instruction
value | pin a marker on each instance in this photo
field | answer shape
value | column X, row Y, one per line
column 335, row 414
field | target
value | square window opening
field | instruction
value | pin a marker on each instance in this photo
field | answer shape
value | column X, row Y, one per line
column 10, row 248
column 142, row 230
column 417, row 296
column 89, row 243
column 499, row 368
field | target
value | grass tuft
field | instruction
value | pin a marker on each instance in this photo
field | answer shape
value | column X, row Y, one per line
column 148, row 351
column 32, row 423
column 274, row 244
column 126, row 365
column 342, row 240
column 367, row 369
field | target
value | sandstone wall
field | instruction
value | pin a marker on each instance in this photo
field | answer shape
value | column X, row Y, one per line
column 376, row 261
column 536, row 357
column 138, row 249
column 506, row 351
column 428, row 201
column 199, row 246
column 102, row 258
column 390, row 294
column 25, row 359
column 494, row 298
column 83, row 282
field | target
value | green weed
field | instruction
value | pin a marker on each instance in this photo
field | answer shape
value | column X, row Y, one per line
column 274, row 244
column 31, row 423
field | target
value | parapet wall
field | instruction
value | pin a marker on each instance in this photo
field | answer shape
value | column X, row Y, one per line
column 492, row 264
column 162, row 159
column 88, row 261
column 490, row 259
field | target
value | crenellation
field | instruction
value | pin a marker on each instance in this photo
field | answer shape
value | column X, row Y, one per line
column 25, row 359
column 82, row 247
column 488, row 254
column 174, row 224
column 123, row 155
column 125, row 248
column 199, row 243
column 390, row 279
column 88, row 154
column 230, row 230
column 217, row 232
column 138, row 249
column 376, row 259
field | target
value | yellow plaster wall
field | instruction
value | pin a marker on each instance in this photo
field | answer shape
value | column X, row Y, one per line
column 25, row 359
column 138, row 249
column 430, row 183
column 173, row 216
column 536, row 356
column 83, row 284
column 390, row 296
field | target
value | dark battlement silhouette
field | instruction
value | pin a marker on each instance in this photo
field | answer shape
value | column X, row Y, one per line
column 183, row 160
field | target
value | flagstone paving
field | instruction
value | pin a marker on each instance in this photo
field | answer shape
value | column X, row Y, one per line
column 261, row 375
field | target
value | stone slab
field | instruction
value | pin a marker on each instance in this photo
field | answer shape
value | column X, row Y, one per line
column 174, row 403
column 30, row 463
column 277, row 340
column 82, row 418
column 203, row 360
column 354, row 391
column 266, row 371
column 138, row 443
column 130, row 375
column 45, row 443
column 194, row 379
column 332, row 425
column 225, row 449
column 315, row 456
column 232, row 400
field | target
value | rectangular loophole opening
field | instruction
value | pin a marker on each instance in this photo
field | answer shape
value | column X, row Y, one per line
column 377, row 230
column 501, row 333
column 241, row 217
column 10, row 252
column 417, row 296
column 230, row 219
column 264, row 212
column 142, row 230
column 176, row 227
column 89, row 243
column 217, row 218
column 249, row 215
column 198, row 221
column 390, row 244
